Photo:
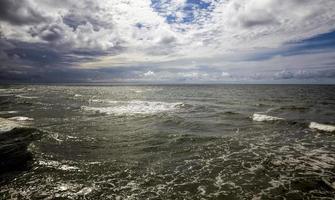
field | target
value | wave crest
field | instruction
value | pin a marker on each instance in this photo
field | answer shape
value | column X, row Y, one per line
column 264, row 118
column 21, row 118
column 15, row 139
column 135, row 107
column 322, row 127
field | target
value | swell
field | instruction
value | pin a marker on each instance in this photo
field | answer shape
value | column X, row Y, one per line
column 14, row 141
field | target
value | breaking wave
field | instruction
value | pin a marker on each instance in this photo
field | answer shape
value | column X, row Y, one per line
column 26, row 97
column 21, row 118
column 134, row 107
column 322, row 127
column 264, row 118
column 15, row 139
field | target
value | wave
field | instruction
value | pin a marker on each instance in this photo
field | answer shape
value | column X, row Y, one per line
column 21, row 118
column 312, row 125
column 15, row 139
column 322, row 127
column 9, row 112
column 134, row 107
column 264, row 118
column 57, row 165
column 26, row 97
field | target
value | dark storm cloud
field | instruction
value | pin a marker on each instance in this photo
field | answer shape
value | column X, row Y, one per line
column 37, row 62
column 19, row 12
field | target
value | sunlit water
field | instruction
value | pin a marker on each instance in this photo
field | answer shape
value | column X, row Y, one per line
column 174, row 142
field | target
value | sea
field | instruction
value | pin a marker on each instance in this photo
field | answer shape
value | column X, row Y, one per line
column 171, row 142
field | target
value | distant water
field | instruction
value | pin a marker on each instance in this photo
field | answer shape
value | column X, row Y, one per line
column 175, row 142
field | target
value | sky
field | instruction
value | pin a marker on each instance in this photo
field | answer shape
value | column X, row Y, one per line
column 167, row 41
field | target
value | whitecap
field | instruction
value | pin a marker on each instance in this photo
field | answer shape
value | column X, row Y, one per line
column 68, row 168
column 77, row 95
column 55, row 136
column 136, row 91
column 9, row 112
column 134, row 107
column 63, row 187
column 322, row 127
column 96, row 101
column 7, row 125
column 263, row 118
column 113, row 102
column 26, row 97
column 21, row 118
column 58, row 165
column 85, row 191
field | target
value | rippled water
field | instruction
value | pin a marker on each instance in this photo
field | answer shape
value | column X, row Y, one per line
column 174, row 142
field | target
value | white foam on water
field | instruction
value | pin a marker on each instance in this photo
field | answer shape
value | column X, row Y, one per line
column 322, row 127
column 96, row 101
column 63, row 187
column 134, row 107
column 202, row 190
column 58, row 165
column 68, row 168
column 136, row 90
column 8, row 125
column 9, row 112
column 21, row 118
column 85, row 191
column 114, row 102
column 264, row 118
column 77, row 95
column 71, row 137
column 48, row 163
column 25, row 97
column 56, row 137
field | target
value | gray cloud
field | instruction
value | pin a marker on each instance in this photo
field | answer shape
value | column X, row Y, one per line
column 52, row 33
column 305, row 74
column 260, row 19
column 19, row 12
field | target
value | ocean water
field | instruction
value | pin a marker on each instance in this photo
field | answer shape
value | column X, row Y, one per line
column 174, row 142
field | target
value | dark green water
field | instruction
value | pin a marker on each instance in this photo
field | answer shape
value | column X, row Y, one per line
column 174, row 142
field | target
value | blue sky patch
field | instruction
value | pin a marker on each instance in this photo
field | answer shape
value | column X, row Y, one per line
column 320, row 42
column 190, row 10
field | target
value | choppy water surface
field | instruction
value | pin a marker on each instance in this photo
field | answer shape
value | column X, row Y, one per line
column 175, row 142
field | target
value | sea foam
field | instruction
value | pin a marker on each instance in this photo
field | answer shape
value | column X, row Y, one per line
column 322, row 127
column 134, row 107
column 21, row 118
column 263, row 118
column 7, row 125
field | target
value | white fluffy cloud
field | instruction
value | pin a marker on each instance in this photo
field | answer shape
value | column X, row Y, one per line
column 149, row 73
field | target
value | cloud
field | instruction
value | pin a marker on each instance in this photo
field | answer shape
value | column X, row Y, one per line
column 225, row 74
column 20, row 12
column 149, row 73
column 305, row 74
column 174, row 39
